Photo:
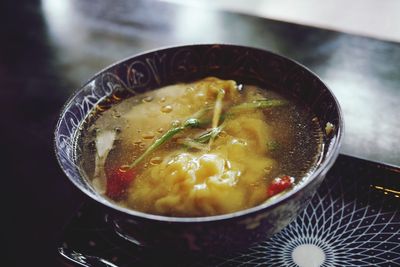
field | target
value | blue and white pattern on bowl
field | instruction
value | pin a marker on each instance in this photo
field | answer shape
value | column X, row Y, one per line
column 223, row 233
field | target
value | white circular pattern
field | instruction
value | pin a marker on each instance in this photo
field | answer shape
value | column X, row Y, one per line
column 336, row 224
column 308, row 255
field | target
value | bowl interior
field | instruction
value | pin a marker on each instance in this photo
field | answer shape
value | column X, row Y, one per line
column 168, row 66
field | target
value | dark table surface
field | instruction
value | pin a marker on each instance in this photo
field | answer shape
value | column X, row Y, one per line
column 50, row 48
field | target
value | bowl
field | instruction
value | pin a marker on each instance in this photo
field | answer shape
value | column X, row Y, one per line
column 220, row 234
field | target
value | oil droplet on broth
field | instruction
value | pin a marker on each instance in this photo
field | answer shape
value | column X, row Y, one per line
column 160, row 130
column 124, row 168
column 175, row 123
column 138, row 144
column 189, row 90
column 148, row 135
column 116, row 114
column 100, row 108
column 166, row 109
column 268, row 169
column 147, row 99
column 155, row 160
column 162, row 100
column 116, row 97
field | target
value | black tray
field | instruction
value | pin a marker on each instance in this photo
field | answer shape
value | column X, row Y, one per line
column 353, row 220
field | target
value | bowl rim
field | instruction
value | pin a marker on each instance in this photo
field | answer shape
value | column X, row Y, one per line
column 330, row 157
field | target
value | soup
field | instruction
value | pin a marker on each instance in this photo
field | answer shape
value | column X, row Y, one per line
column 198, row 149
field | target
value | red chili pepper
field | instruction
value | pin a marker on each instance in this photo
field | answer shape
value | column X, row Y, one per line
column 117, row 182
column 279, row 184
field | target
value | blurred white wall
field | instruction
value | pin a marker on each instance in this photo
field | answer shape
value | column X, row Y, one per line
column 373, row 18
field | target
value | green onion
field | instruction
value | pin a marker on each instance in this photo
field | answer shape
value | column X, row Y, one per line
column 200, row 141
column 205, row 137
column 259, row 104
column 195, row 121
column 190, row 143
column 192, row 122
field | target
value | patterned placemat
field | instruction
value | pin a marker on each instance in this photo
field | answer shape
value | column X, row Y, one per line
column 353, row 220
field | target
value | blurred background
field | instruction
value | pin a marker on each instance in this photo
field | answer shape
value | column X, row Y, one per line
column 338, row 40
column 191, row 20
column 379, row 19
column 49, row 48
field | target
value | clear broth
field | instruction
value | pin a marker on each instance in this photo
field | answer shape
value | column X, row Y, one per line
column 292, row 147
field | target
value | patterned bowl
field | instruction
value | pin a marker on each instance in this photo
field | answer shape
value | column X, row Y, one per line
column 220, row 234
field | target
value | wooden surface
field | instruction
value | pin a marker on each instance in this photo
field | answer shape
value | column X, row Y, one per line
column 47, row 51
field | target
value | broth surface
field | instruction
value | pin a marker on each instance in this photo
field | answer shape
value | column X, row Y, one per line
column 243, row 139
